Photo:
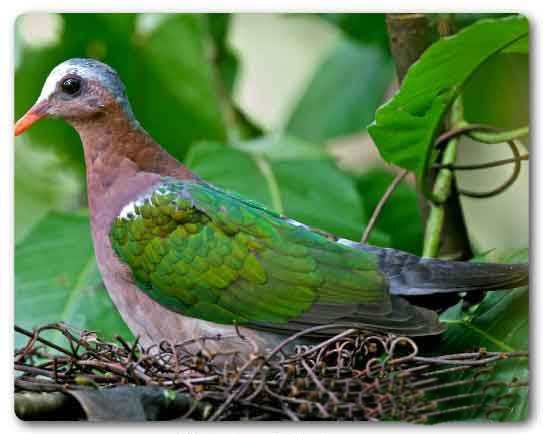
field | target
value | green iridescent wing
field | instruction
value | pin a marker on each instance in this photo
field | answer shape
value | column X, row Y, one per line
column 213, row 255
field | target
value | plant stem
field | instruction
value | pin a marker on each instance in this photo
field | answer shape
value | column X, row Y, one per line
column 479, row 166
column 492, row 137
column 442, row 190
column 446, row 233
column 409, row 35
column 444, row 178
column 432, row 235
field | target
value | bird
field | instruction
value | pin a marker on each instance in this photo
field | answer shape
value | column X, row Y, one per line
column 182, row 258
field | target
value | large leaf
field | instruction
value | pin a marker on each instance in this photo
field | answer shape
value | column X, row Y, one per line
column 400, row 218
column 180, row 104
column 405, row 127
column 41, row 183
column 167, row 71
column 56, row 278
column 308, row 188
column 467, row 19
column 510, row 108
column 343, row 94
column 498, row 323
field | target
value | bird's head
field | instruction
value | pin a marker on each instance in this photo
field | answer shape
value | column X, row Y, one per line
column 75, row 90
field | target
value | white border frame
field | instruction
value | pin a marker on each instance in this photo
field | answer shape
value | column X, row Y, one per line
column 532, row 9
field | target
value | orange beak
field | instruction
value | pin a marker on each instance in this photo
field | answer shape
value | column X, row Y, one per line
column 32, row 116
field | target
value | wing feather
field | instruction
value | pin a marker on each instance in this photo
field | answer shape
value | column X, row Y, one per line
column 210, row 254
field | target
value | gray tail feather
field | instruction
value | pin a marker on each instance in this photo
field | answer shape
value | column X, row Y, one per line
column 411, row 275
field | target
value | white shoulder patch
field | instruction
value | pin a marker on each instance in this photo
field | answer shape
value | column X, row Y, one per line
column 348, row 243
column 297, row 224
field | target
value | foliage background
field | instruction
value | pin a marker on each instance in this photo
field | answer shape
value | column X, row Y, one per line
column 272, row 106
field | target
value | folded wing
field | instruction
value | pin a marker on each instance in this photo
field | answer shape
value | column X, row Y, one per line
column 211, row 254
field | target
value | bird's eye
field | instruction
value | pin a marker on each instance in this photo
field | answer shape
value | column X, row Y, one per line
column 71, row 86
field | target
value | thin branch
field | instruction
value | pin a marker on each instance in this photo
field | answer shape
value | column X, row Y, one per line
column 33, row 335
column 460, row 130
column 479, row 166
column 377, row 211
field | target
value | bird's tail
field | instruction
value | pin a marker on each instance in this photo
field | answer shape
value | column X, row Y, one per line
column 411, row 275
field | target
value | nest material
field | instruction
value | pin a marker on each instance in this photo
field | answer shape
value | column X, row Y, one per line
column 355, row 375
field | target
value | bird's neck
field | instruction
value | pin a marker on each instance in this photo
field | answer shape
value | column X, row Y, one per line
column 116, row 146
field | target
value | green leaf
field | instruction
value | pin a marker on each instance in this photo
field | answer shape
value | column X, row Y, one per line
column 282, row 147
column 49, row 186
column 498, row 323
column 400, row 218
column 310, row 189
column 522, row 46
column 56, row 278
column 510, row 108
column 180, row 104
column 343, row 94
column 467, row 19
column 405, row 127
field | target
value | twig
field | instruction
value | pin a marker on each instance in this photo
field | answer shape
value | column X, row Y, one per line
column 33, row 335
column 377, row 211
column 459, row 130
column 479, row 166
column 508, row 183
column 317, row 382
